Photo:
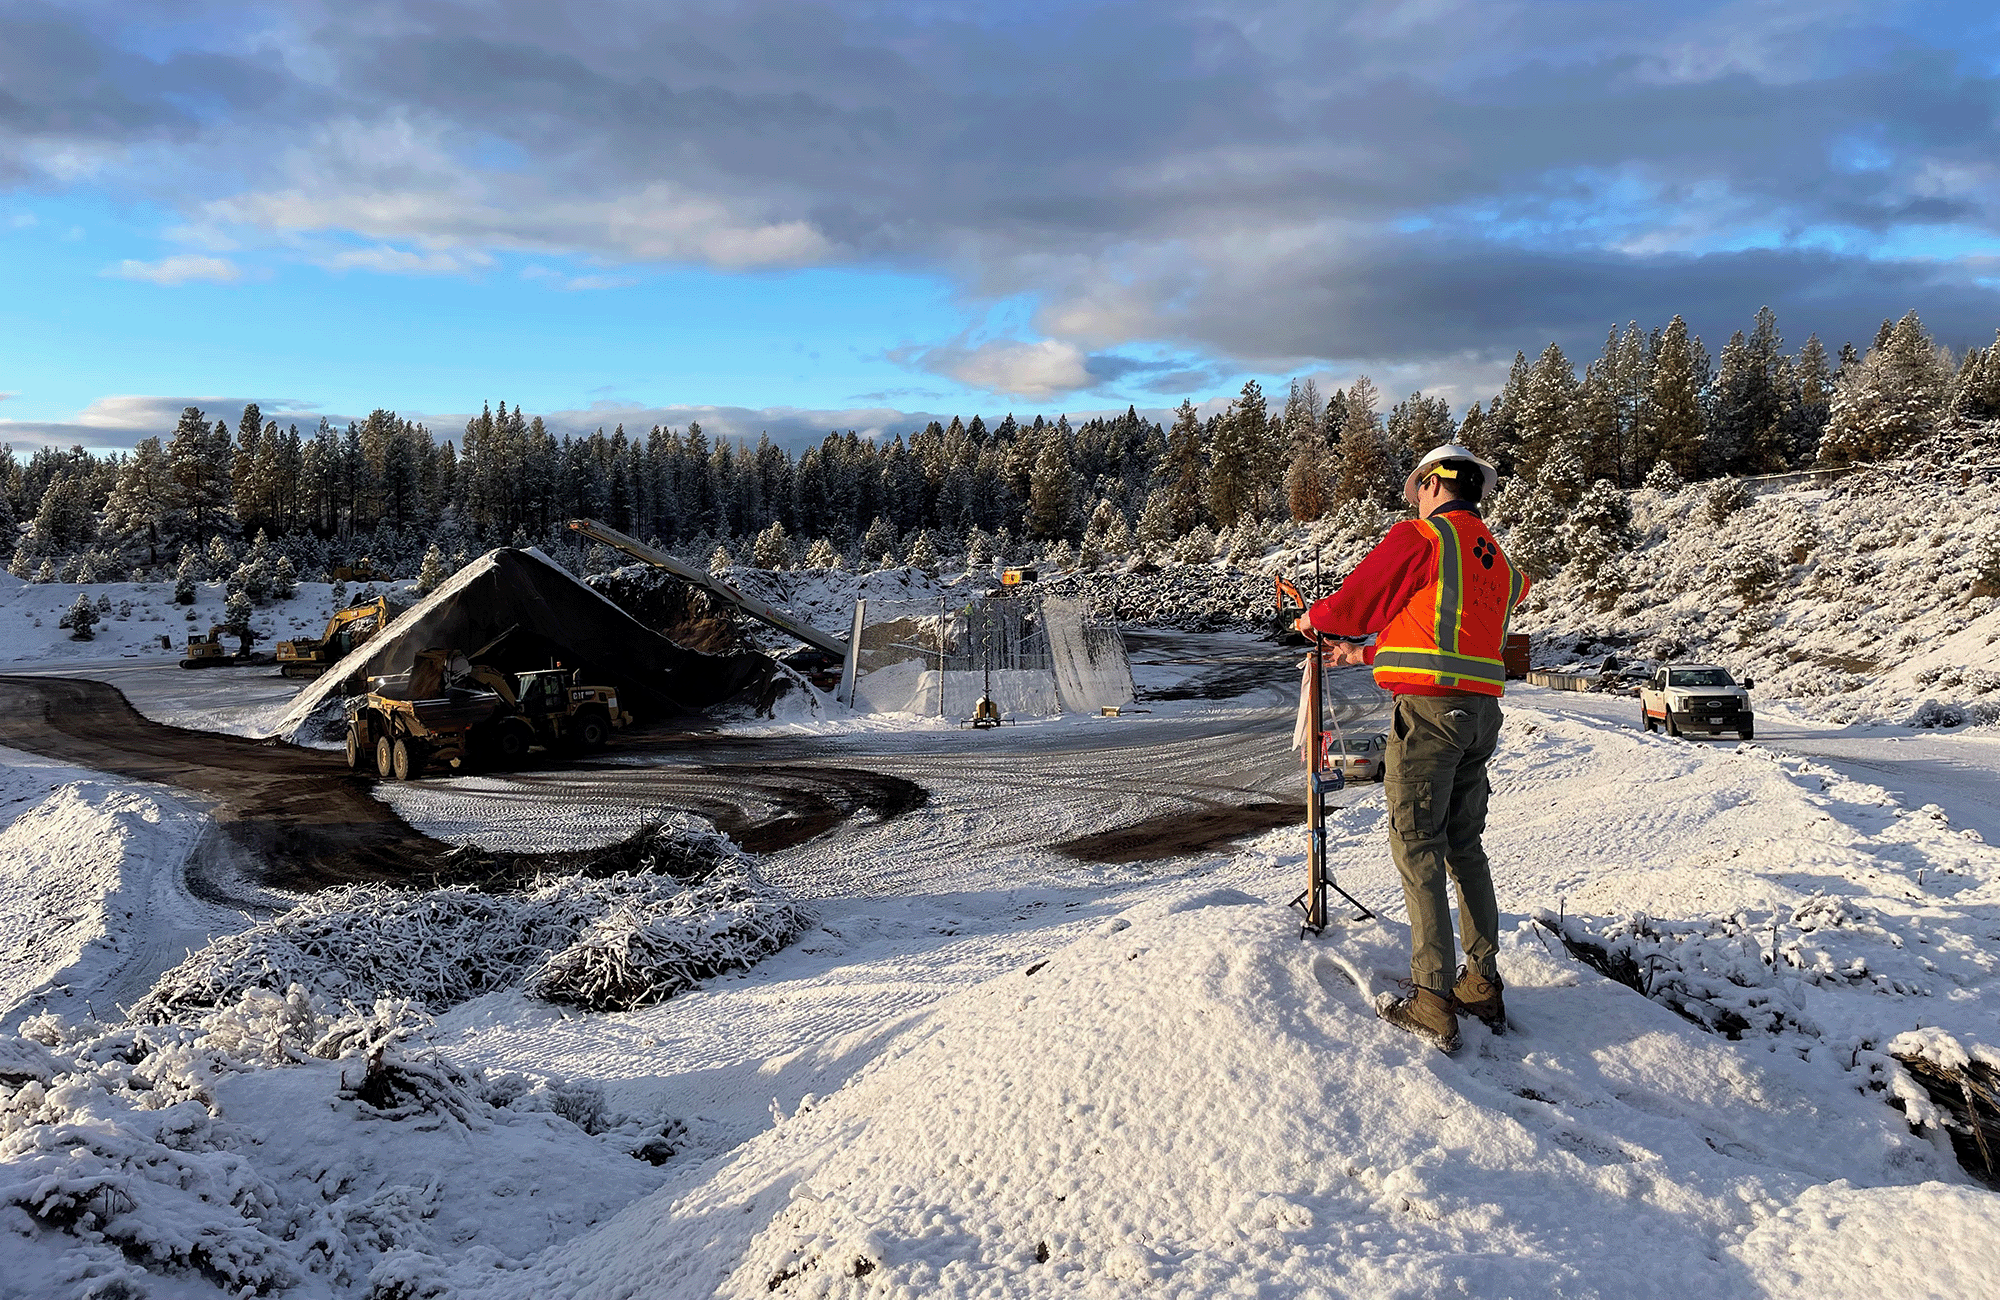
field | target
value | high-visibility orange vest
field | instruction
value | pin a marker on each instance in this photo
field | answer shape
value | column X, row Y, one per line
column 1452, row 632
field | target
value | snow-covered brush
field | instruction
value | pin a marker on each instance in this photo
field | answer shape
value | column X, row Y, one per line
column 676, row 909
column 647, row 949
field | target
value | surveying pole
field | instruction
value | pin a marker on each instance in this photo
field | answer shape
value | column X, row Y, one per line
column 1321, row 777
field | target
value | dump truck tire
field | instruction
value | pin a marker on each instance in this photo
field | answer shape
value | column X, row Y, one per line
column 385, row 758
column 356, row 748
column 406, row 759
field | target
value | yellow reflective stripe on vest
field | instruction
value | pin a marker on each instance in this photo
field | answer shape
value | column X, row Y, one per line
column 1451, row 583
column 1437, row 663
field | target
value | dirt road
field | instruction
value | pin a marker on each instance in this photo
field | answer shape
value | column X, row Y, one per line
column 296, row 819
column 286, row 818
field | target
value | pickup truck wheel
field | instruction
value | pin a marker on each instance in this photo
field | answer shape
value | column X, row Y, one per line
column 385, row 758
column 1645, row 720
column 1673, row 728
column 1747, row 733
column 407, row 760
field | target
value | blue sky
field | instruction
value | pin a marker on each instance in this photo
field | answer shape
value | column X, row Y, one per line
column 794, row 216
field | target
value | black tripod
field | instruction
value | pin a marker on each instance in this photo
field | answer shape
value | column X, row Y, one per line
column 1319, row 780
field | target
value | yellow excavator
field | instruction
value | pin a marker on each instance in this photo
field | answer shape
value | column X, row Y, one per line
column 346, row 631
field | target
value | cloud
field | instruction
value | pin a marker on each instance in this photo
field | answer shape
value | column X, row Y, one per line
column 577, row 283
column 181, row 268
column 1038, row 371
column 118, row 422
column 403, row 261
column 1268, row 184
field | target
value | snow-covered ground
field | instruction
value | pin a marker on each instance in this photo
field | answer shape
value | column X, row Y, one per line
column 92, row 899
column 989, row 1069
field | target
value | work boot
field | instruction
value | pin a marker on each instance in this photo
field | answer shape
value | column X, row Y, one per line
column 1426, row 1014
column 1479, row 997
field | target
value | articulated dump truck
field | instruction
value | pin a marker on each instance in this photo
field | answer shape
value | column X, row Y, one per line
column 449, row 712
column 346, row 631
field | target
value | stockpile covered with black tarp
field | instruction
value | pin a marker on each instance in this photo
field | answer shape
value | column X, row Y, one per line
column 547, row 617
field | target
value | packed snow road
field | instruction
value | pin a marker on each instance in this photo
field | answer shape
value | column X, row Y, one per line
column 1952, row 770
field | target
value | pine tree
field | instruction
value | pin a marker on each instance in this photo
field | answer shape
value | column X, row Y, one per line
column 64, row 522
column 1368, row 470
column 822, row 555
column 720, row 559
column 1547, row 423
column 140, row 509
column 1893, row 401
column 923, row 553
column 199, row 459
column 1672, row 419
column 236, row 613
column 1975, row 397
column 432, row 572
column 1051, row 492
column 1503, row 422
column 1183, row 475
column 1308, row 492
column 1235, row 457
column 772, row 549
column 80, row 619
column 284, row 579
column 243, row 466
column 186, row 574
column 880, row 539
column 1107, row 532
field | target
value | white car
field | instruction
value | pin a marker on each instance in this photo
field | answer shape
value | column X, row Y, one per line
column 1697, row 697
column 1363, row 757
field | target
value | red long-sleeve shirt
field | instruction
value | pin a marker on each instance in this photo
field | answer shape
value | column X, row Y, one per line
column 1401, row 565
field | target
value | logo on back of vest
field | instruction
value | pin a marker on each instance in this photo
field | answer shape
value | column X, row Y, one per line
column 1486, row 551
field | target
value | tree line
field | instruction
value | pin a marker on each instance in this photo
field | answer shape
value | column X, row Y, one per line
column 1651, row 408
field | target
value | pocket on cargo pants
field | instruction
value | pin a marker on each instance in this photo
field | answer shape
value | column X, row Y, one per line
column 1414, row 813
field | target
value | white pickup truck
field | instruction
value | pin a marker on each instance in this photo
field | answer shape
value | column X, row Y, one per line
column 1696, row 697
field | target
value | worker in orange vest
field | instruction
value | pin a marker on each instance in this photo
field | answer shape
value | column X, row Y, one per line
column 1436, row 594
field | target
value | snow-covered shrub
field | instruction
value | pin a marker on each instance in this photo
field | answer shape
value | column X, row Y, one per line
column 47, row 572
column 691, row 906
column 1197, row 546
column 80, row 619
column 1749, row 569
column 650, row 946
column 772, row 549
column 432, row 571
column 284, row 579
column 822, row 555
column 1534, row 530
column 1664, row 478
column 880, row 538
column 252, row 578
column 923, row 553
column 720, row 559
column 1725, row 497
column 1986, row 563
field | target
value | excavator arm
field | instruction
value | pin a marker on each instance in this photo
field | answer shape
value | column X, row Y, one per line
column 760, row 610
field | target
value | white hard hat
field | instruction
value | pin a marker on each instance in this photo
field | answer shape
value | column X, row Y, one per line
column 1451, row 451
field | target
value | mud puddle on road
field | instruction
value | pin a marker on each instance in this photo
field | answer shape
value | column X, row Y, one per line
column 1177, row 834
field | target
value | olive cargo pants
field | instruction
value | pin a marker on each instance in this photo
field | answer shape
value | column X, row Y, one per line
column 1435, row 781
